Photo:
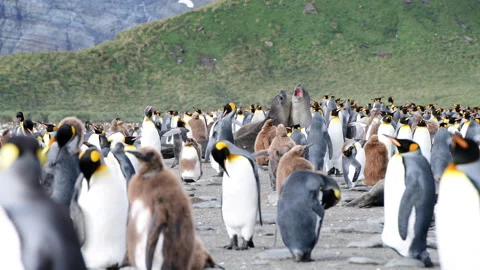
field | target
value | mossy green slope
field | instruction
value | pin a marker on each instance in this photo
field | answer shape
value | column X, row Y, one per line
column 430, row 54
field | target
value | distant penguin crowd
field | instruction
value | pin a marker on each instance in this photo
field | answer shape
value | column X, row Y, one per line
column 101, row 196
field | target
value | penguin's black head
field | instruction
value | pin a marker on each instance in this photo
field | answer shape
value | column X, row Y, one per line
column 148, row 111
column 28, row 125
column 130, row 140
column 348, row 151
column 330, row 197
column 464, row 150
column 443, row 124
column 334, row 112
column 297, row 127
column 90, row 162
column 422, row 123
column 390, row 100
column 228, row 108
column 20, row 116
column 387, row 119
column 19, row 146
column 404, row 120
column 404, row 146
column 65, row 134
column 50, row 127
column 181, row 122
column 98, row 129
column 220, row 153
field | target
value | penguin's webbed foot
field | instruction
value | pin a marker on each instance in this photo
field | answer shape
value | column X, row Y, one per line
column 233, row 243
column 244, row 245
column 425, row 258
column 331, row 171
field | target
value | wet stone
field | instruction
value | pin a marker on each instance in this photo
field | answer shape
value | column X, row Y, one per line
column 404, row 262
column 363, row 260
column 274, row 254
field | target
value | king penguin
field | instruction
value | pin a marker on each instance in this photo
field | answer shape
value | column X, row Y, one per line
column 403, row 129
column 422, row 137
column 150, row 135
column 458, row 208
column 320, row 140
column 409, row 201
column 240, row 193
column 335, row 130
column 99, row 210
column 353, row 162
column 300, row 214
column 191, row 161
column 161, row 231
column 36, row 232
column 386, row 128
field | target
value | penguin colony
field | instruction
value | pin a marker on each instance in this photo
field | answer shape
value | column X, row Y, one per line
column 105, row 199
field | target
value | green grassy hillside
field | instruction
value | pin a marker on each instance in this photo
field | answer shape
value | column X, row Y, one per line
column 246, row 50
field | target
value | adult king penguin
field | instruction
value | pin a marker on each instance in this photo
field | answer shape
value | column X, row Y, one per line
column 99, row 210
column 300, row 214
column 335, row 130
column 458, row 208
column 150, row 135
column 409, row 201
column 36, row 233
column 240, row 193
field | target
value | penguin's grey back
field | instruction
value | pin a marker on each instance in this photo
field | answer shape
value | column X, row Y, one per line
column 66, row 172
column 441, row 155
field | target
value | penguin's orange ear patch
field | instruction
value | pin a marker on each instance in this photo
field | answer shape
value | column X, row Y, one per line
column 413, row 147
column 95, row 156
column 221, row 145
column 457, row 140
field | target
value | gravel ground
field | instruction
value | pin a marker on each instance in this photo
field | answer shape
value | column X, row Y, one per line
column 343, row 228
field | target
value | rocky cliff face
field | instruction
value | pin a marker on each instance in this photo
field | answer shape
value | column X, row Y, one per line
column 60, row 25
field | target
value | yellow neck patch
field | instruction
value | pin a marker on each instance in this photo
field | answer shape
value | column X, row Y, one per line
column 233, row 157
column 8, row 155
column 337, row 193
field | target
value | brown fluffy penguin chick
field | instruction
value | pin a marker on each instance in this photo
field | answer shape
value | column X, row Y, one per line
column 201, row 257
column 376, row 161
column 160, row 222
column 281, row 144
column 292, row 161
column 264, row 139
column 198, row 127
column 117, row 126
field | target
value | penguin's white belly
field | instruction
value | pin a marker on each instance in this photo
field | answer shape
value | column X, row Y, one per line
column 239, row 198
column 114, row 166
column 133, row 160
column 361, row 159
column 95, row 140
column 464, row 129
column 105, row 209
column 422, row 137
column 405, row 133
column 457, row 223
column 383, row 130
column 10, row 246
column 336, row 134
column 150, row 136
column 258, row 116
column 189, row 156
column 140, row 216
column 394, row 189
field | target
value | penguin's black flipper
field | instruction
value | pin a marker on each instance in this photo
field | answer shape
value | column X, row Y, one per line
column 358, row 168
column 409, row 198
column 125, row 164
column 319, row 211
column 329, row 144
column 76, row 213
column 345, row 166
column 154, row 231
